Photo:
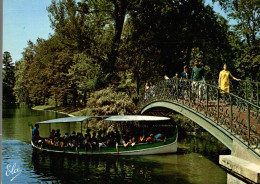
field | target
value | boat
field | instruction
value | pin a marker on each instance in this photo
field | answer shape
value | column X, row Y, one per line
column 142, row 122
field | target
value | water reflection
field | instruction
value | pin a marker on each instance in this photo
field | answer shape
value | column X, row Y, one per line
column 177, row 168
column 38, row 167
column 92, row 169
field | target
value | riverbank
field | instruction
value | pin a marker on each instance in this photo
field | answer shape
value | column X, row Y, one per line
column 70, row 111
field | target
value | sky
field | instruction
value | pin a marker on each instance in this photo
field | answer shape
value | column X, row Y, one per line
column 25, row 20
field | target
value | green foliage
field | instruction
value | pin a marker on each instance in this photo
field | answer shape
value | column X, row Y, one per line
column 8, row 78
column 249, row 63
column 246, row 15
column 85, row 74
column 109, row 101
column 121, row 43
column 247, row 20
column 20, row 90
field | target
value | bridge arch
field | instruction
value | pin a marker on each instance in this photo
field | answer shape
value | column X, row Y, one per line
column 231, row 118
column 221, row 134
column 226, row 116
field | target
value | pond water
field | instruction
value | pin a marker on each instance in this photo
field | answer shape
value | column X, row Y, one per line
column 196, row 161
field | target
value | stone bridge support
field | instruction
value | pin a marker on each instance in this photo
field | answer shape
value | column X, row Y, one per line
column 242, row 164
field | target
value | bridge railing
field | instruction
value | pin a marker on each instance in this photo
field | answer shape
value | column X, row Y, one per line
column 248, row 90
column 236, row 115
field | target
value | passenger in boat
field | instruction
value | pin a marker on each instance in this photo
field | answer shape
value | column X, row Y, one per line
column 160, row 137
column 57, row 134
column 87, row 143
column 80, row 139
column 72, row 139
column 141, row 139
column 51, row 137
column 132, row 141
column 150, row 139
column 117, row 140
column 100, row 141
column 94, row 140
column 111, row 139
column 56, row 141
column 36, row 136
column 64, row 141
column 125, row 139
column 88, row 133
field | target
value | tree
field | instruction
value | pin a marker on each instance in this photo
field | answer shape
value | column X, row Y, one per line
column 247, row 18
column 20, row 90
column 93, row 27
column 8, row 78
column 247, row 25
column 85, row 74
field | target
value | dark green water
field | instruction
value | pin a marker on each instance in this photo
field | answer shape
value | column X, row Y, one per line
column 195, row 162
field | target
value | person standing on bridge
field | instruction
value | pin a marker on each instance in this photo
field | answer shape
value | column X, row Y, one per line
column 198, row 73
column 185, row 76
column 197, row 76
column 223, row 80
column 146, row 87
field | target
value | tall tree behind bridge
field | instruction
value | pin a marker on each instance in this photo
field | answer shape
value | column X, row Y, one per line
column 8, row 78
column 246, row 14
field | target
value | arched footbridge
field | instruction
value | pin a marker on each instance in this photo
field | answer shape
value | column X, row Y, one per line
column 230, row 117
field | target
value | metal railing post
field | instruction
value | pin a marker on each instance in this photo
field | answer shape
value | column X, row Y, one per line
column 207, row 99
column 218, row 105
column 248, row 123
column 177, row 97
column 231, row 112
column 257, row 94
column 246, row 91
column 190, row 91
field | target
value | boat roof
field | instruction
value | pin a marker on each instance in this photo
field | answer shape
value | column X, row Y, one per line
column 137, row 118
column 66, row 120
column 111, row 118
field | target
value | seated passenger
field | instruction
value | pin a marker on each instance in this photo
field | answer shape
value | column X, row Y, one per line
column 64, row 141
column 125, row 139
column 94, row 140
column 150, row 139
column 57, row 134
column 111, row 139
column 72, row 140
column 36, row 136
column 100, row 141
column 132, row 141
column 141, row 139
column 88, row 133
column 87, row 143
column 160, row 137
column 51, row 138
column 80, row 139
column 56, row 141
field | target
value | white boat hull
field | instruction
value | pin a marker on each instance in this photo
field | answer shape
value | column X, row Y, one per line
column 164, row 149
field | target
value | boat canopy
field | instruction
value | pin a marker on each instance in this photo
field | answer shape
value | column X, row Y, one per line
column 66, row 120
column 137, row 118
column 111, row 118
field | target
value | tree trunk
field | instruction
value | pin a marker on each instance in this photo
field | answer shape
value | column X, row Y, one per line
column 65, row 100
column 75, row 95
column 119, row 18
